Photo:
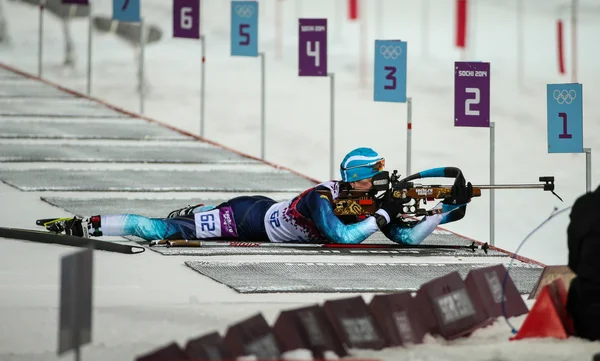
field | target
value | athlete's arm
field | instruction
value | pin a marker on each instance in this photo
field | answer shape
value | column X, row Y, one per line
column 330, row 226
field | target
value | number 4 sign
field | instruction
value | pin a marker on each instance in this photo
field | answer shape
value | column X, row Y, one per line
column 390, row 71
column 565, row 118
column 312, row 47
column 186, row 19
column 472, row 94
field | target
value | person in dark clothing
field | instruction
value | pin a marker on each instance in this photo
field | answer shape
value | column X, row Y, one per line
column 583, row 232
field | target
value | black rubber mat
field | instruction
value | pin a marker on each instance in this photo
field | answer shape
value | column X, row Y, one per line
column 121, row 152
column 64, row 107
column 301, row 251
column 142, row 180
column 90, row 128
column 325, row 277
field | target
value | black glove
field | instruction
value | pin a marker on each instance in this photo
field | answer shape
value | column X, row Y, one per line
column 392, row 206
column 461, row 192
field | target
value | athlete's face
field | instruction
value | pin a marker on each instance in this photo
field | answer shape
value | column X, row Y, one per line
column 363, row 184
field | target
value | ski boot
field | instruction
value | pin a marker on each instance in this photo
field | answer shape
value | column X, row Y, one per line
column 187, row 210
column 70, row 226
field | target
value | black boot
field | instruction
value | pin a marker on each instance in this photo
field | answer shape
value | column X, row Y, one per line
column 183, row 211
column 72, row 227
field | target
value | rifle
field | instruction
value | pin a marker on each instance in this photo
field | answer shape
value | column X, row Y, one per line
column 351, row 202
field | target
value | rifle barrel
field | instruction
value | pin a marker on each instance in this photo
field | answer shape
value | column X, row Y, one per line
column 510, row 186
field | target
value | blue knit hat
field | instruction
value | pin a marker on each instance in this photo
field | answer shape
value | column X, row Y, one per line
column 361, row 163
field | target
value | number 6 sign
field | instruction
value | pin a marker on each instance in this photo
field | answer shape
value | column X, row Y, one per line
column 390, row 71
column 312, row 47
column 186, row 19
column 565, row 118
column 472, row 94
column 244, row 28
column 126, row 10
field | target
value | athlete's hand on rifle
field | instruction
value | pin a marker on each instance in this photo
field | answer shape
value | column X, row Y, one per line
column 393, row 206
column 461, row 191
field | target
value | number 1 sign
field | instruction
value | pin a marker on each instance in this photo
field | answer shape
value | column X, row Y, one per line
column 565, row 118
column 244, row 28
column 186, row 19
column 126, row 10
column 312, row 47
column 390, row 71
column 471, row 94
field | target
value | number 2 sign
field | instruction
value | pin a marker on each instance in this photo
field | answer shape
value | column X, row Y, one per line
column 565, row 118
column 126, row 10
column 244, row 28
column 186, row 19
column 472, row 94
column 312, row 47
column 390, row 71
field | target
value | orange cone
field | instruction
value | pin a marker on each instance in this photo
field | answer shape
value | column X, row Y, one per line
column 548, row 317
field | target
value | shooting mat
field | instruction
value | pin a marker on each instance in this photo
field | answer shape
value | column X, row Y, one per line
column 118, row 152
column 296, row 277
column 86, row 128
column 155, row 180
column 28, row 88
column 63, row 107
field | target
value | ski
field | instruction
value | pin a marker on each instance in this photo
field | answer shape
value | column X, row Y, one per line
column 63, row 239
column 194, row 243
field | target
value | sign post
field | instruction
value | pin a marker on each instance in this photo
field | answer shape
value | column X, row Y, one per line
column 472, row 109
column 312, row 61
column 565, row 122
column 186, row 25
column 89, row 64
column 75, row 326
column 390, row 82
column 244, row 42
column 129, row 11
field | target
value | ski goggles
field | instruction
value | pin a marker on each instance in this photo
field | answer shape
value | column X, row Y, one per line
column 377, row 165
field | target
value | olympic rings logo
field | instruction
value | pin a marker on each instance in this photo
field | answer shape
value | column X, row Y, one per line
column 564, row 96
column 390, row 52
column 244, row 11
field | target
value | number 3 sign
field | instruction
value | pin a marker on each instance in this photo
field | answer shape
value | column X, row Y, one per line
column 312, row 47
column 472, row 94
column 244, row 28
column 186, row 19
column 390, row 71
column 565, row 118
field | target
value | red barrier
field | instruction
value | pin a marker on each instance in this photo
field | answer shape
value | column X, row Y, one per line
column 352, row 9
column 561, row 52
column 461, row 23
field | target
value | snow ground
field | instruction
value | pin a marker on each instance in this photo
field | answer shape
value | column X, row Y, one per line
column 138, row 308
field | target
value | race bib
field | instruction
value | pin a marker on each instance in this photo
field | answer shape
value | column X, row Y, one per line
column 216, row 223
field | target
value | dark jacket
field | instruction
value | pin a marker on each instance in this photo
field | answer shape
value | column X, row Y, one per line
column 584, row 260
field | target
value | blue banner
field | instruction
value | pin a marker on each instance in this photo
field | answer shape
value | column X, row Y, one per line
column 390, row 71
column 565, row 118
column 244, row 28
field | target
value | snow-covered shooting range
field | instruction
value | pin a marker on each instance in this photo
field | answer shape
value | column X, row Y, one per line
column 299, row 180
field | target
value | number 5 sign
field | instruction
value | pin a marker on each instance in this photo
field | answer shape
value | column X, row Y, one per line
column 472, row 94
column 126, row 10
column 565, row 118
column 390, row 71
column 244, row 28
column 312, row 47
column 186, row 19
